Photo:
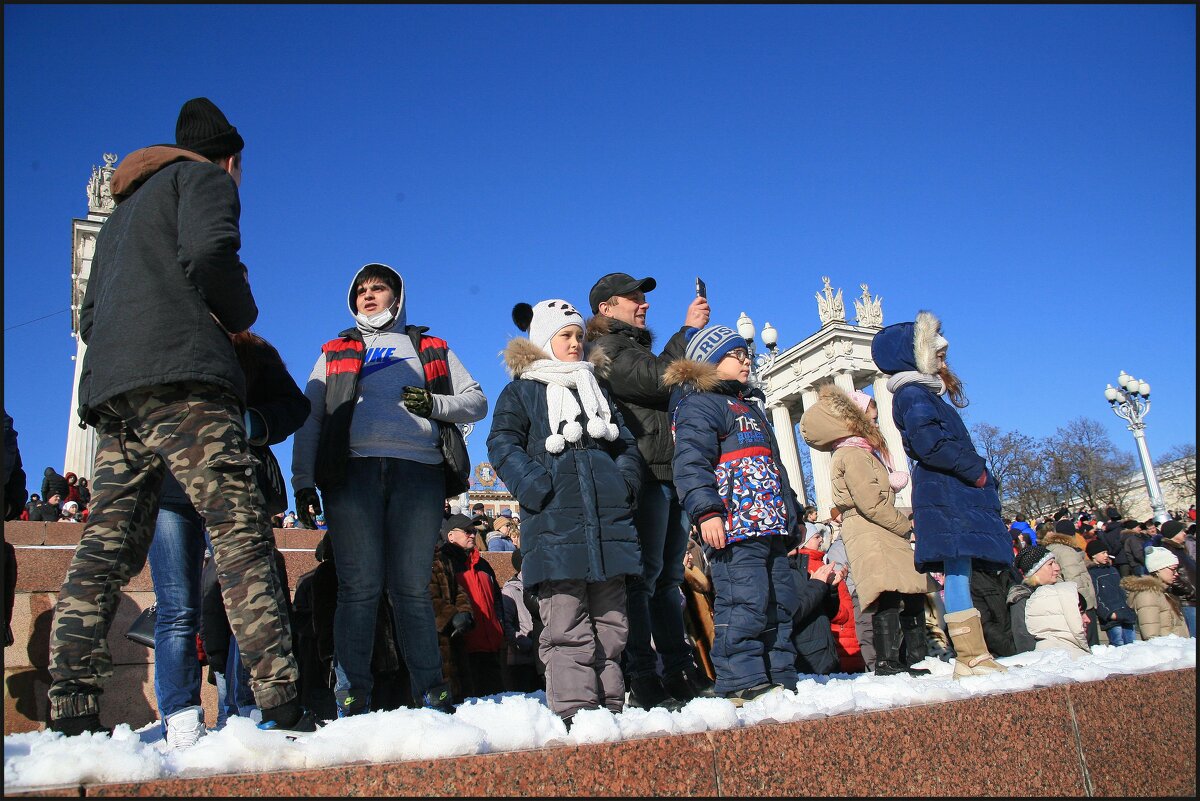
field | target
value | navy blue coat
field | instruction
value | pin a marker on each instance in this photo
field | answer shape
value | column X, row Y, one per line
column 576, row 506
column 951, row 516
column 812, row 634
column 1110, row 597
column 727, row 461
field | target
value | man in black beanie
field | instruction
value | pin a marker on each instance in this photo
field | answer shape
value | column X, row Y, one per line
column 162, row 386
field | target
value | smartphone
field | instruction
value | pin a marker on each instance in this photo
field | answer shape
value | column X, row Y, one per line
column 701, row 290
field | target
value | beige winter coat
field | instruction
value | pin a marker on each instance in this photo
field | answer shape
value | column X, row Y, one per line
column 876, row 535
column 1158, row 614
column 1073, row 563
column 1052, row 616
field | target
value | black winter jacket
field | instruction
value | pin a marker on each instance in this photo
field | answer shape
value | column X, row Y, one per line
column 989, row 594
column 812, row 634
column 635, row 378
column 166, row 285
column 54, row 484
column 1110, row 597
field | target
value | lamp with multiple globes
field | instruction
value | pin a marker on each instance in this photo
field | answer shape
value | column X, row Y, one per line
column 1130, row 400
column 759, row 362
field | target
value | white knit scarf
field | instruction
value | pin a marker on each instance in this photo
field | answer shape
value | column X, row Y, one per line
column 561, row 407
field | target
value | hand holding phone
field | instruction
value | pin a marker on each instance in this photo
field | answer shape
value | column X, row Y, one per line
column 701, row 289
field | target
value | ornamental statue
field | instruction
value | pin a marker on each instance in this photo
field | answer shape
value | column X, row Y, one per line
column 869, row 310
column 831, row 307
column 99, row 189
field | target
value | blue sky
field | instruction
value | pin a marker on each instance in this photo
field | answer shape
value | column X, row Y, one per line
column 1026, row 172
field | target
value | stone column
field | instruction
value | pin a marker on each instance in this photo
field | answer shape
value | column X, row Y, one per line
column 891, row 435
column 785, row 433
column 845, row 381
column 81, row 442
column 820, row 468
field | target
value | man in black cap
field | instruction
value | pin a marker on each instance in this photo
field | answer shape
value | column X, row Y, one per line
column 618, row 301
column 161, row 384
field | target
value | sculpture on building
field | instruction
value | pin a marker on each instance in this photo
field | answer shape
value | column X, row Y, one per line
column 99, row 189
column 868, row 310
column 831, row 307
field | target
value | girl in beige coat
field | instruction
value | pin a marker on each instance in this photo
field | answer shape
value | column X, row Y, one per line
column 1158, row 612
column 875, row 534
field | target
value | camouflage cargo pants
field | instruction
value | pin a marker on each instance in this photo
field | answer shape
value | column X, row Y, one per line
column 195, row 431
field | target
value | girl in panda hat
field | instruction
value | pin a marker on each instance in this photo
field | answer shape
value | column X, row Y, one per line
column 561, row 447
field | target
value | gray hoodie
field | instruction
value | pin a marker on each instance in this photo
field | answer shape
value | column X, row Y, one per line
column 382, row 426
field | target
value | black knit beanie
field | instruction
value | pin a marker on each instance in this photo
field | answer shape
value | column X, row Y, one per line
column 1096, row 546
column 1170, row 529
column 1065, row 527
column 1029, row 560
column 203, row 129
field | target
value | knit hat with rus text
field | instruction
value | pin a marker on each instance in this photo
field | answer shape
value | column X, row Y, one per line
column 202, row 128
column 712, row 343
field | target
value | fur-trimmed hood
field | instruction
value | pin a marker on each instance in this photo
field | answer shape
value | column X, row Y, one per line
column 834, row 417
column 520, row 353
column 600, row 326
column 1054, row 538
column 1135, row 584
column 701, row 375
column 904, row 347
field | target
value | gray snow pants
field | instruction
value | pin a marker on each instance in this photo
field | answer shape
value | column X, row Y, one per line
column 584, row 634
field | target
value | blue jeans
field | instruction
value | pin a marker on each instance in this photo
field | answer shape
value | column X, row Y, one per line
column 384, row 521
column 958, row 585
column 654, row 607
column 233, row 697
column 1120, row 635
column 755, row 601
column 176, row 561
column 1189, row 617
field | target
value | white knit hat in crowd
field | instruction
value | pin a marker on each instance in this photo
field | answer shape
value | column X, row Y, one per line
column 546, row 319
column 1158, row 558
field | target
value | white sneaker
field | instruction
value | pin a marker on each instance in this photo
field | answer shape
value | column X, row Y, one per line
column 185, row 727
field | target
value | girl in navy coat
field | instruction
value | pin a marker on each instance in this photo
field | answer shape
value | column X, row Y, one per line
column 956, row 508
column 562, row 449
column 730, row 481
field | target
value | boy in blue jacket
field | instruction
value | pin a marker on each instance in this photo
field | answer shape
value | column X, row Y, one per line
column 1112, row 605
column 562, row 449
column 731, row 483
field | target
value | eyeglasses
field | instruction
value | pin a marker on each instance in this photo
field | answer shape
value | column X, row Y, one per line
column 740, row 354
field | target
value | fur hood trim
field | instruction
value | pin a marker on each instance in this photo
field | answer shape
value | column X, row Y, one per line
column 926, row 331
column 520, row 353
column 600, row 326
column 836, row 416
column 1054, row 538
column 701, row 375
column 1136, row 584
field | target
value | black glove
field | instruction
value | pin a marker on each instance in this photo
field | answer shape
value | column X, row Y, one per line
column 461, row 623
column 305, row 497
column 418, row 401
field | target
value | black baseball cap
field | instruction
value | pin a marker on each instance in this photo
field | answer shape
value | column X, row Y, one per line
column 457, row 521
column 617, row 284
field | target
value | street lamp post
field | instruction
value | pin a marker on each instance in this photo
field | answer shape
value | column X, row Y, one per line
column 1130, row 400
column 759, row 362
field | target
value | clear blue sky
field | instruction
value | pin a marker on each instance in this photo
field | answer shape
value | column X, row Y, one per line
column 1026, row 172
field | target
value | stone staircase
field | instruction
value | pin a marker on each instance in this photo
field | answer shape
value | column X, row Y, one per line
column 44, row 552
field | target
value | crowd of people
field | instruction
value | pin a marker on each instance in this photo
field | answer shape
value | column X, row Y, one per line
column 661, row 553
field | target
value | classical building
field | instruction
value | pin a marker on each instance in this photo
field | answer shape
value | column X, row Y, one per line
column 839, row 352
column 81, row 442
column 488, row 489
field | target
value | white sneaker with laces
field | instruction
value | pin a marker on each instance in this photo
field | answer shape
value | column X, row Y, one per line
column 185, row 727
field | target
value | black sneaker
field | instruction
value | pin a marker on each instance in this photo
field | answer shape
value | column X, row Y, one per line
column 438, row 698
column 351, row 702
column 739, row 697
column 289, row 719
column 647, row 692
column 80, row 724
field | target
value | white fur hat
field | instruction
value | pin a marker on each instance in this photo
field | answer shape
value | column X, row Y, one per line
column 1158, row 558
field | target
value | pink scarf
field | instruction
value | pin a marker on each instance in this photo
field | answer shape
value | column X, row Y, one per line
column 897, row 479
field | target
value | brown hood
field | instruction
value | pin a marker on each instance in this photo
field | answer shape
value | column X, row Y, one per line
column 701, row 375
column 520, row 353
column 140, row 165
column 600, row 326
column 1054, row 538
column 836, row 416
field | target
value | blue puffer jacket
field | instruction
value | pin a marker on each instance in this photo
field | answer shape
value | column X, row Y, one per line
column 726, row 457
column 1110, row 597
column 951, row 516
column 577, row 505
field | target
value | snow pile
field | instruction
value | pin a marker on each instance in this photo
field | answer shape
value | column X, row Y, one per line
column 513, row 722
